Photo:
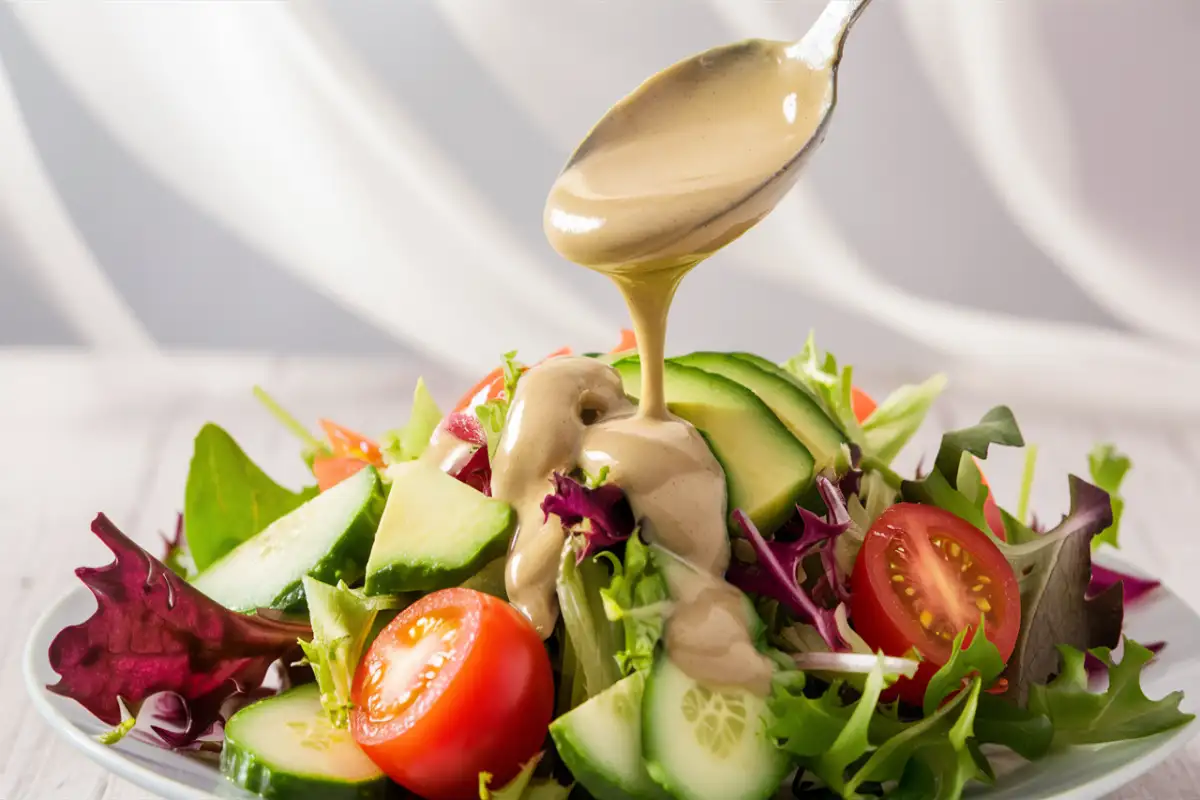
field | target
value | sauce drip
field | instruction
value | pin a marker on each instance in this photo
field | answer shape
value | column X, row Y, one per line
column 674, row 172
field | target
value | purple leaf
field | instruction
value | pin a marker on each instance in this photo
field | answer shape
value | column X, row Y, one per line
column 610, row 519
column 775, row 574
column 1135, row 588
column 152, row 632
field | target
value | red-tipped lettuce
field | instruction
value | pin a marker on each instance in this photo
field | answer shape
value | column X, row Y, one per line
column 607, row 513
column 152, row 632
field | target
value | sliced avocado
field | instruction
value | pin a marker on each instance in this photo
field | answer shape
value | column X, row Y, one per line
column 435, row 533
column 802, row 415
column 766, row 467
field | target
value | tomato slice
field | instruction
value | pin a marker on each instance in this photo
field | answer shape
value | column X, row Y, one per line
column 861, row 403
column 459, row 683
column 329, row 472
column 922, row 576
column 346, row 443
column 493, row 384
column 628, row 342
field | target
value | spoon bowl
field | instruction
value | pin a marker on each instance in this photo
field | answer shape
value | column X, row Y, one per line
column 700, row 152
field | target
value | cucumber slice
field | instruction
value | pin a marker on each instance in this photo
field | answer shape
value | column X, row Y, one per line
column 707, row 743
column 285, row 747
column 795, row 407
column 601, row 743
column 328, row 538
column 766, row 468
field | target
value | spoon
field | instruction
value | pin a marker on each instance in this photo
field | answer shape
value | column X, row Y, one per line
column 700, row 152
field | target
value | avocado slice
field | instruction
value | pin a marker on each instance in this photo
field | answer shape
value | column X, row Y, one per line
column 802, row 415
column 767, row 469
column 435, row 532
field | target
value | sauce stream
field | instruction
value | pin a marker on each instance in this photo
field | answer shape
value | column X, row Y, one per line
column 676, row 171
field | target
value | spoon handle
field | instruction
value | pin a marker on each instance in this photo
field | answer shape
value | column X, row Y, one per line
column 822, row 45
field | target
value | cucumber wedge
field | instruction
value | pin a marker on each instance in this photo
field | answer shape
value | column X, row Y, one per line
column 707, row 743
column 802, row 415
column 601, row 743
column 766, row 468
column 328, row 538
column 285, row 747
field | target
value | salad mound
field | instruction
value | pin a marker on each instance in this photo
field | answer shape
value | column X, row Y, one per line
column 882, row 634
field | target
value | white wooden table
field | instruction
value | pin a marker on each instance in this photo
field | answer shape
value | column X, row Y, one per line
column 80, row 434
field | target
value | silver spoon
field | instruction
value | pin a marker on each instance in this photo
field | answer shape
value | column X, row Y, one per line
column 700, row 152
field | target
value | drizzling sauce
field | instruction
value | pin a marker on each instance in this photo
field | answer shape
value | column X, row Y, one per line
column 677, row 170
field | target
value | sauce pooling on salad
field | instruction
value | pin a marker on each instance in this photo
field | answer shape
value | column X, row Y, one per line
column 672, row 174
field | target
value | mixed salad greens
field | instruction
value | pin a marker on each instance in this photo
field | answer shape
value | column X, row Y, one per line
column 331, row 641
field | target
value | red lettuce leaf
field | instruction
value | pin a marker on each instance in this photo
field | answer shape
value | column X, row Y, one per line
column 775, row 573
column 1135, row 588
column 466, row 428
column 476, row 472
column 605, row 508
column 152, row 632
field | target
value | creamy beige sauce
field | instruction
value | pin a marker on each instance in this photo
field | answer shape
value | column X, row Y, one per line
column 677, row 170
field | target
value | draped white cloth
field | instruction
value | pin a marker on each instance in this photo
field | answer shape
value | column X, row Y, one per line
column 267, row 118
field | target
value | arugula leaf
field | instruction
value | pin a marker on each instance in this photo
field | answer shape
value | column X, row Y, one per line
column 894, row 422
column 938, row 742
column 997, row 426
column 1120, row 712
column 1108, row 468
column 342, row 620
column 852, row 741
column 941, row 768
column 1025, row 732
column 524, row 786
column 494, row 413
column 980, row 658
column 1055, row 608
column 591, row 636
column 801, row 725
column 409, row 442
column 635, row 597
column 228, row 498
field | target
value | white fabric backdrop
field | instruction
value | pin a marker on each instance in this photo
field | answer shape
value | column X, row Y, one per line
column 403, row 178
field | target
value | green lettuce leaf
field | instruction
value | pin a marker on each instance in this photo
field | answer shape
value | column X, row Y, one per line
column 979, row 659
column 636, row 597
column 590, row 635
column 1108, row 468
column 894, row 422
column 830, row 385
column 524, row 786
column 409, row 442
column 1122, row 711
column 885, row 432
column 342, row 621
column 494, row 413
column 228, row 498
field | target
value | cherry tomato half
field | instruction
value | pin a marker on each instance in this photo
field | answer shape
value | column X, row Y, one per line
column 345, row 443
column 459, row 683
column 332, row 470
column 922, row 576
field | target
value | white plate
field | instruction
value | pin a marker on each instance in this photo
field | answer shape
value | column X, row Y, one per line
column 1076, row 774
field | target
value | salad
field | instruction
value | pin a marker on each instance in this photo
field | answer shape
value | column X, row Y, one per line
column 882, row 634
